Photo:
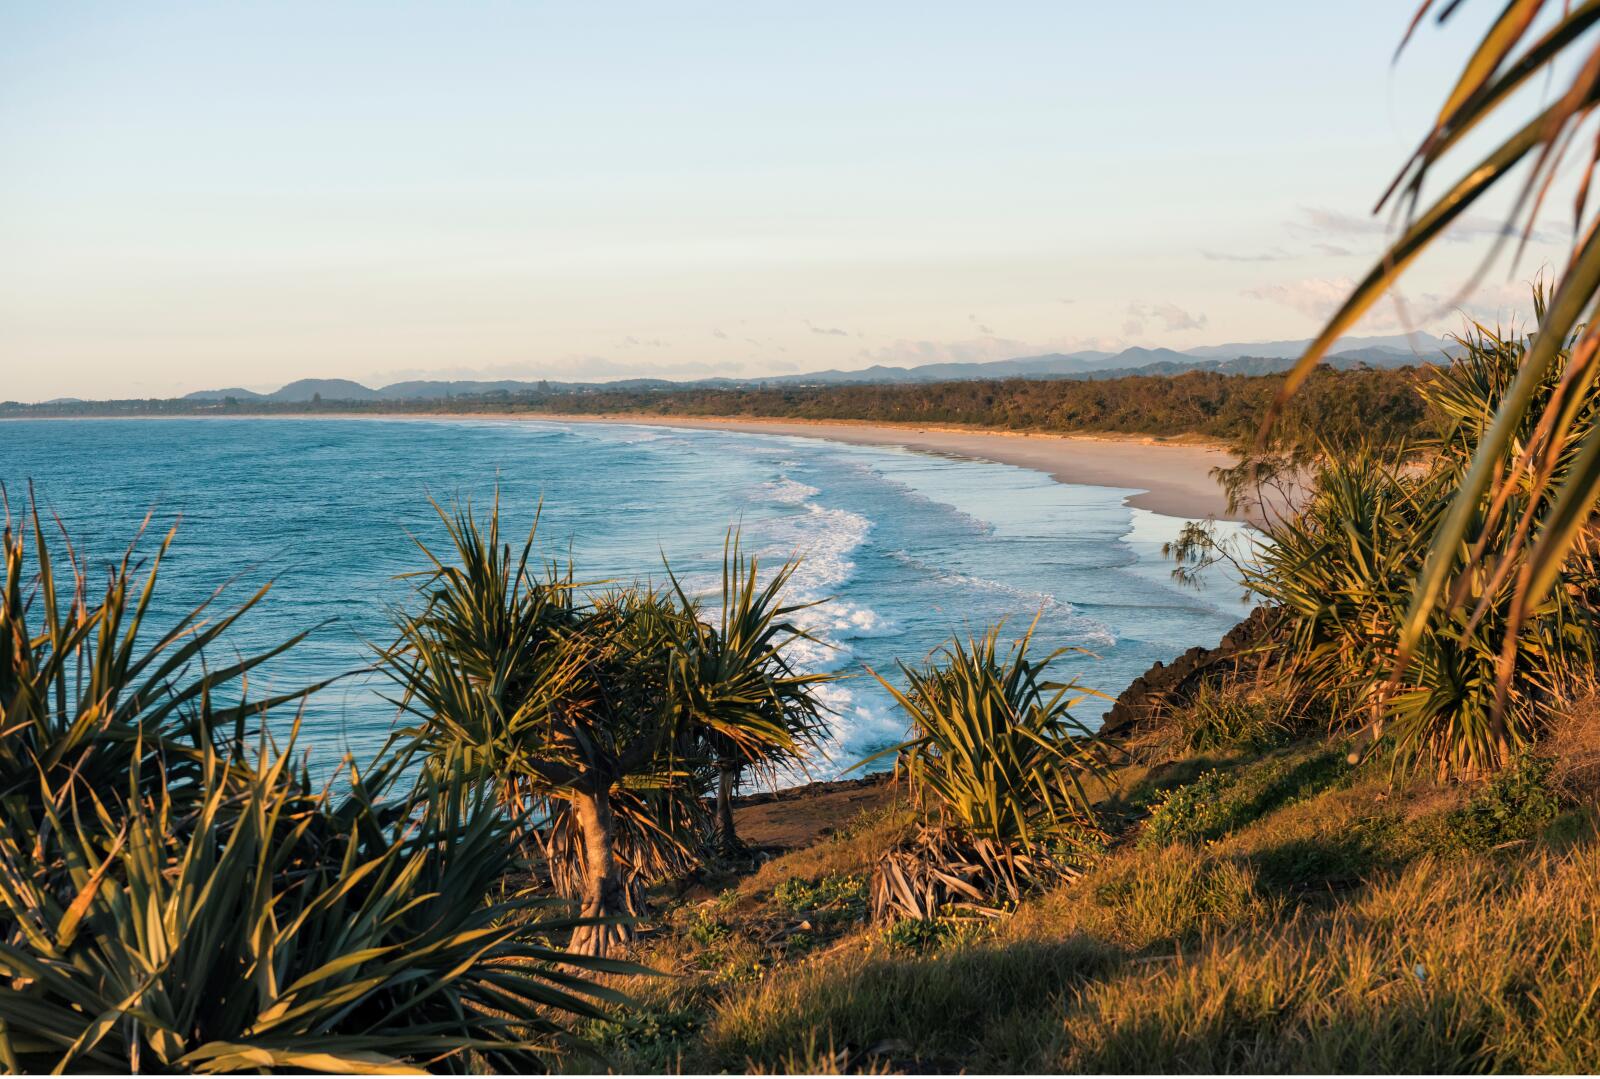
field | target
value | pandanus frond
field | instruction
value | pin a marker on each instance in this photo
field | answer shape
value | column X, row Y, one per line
column 734, row 678
column 995, row 749
column 1533, row 438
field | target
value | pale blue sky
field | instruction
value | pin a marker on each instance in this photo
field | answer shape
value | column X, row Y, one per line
column 207, row 194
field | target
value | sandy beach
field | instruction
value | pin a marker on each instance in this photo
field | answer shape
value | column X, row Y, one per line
column 1172, row 478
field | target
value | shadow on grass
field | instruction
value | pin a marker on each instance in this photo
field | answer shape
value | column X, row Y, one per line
column 927, row 1014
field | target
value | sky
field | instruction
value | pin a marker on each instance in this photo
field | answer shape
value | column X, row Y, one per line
column 205, row 195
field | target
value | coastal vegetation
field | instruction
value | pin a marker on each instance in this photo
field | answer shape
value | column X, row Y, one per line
column 177, row 895
column 1290, row 859
column 1365, row 839
column 1377, row 404
column 599, row 716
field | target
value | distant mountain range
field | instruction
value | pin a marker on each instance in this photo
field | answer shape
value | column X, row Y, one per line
column 1250, row 358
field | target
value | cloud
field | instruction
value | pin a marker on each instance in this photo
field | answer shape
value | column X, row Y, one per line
column 1319, row 297
column 719, row 335
column 1333, row 249
column 1314, row 297
column 828, row 331
column 581, row 367
column 1277, row 254
column 1470, row 227
column 1172, row 318
column 912, row 353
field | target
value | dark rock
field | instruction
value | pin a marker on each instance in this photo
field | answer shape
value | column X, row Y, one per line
column 1166, row 685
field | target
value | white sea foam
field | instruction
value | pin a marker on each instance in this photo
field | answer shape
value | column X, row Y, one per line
column 1083, row 631
column 826, row 540
column 788, row 492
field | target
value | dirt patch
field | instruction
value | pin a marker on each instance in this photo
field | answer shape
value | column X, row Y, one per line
column 799, row 816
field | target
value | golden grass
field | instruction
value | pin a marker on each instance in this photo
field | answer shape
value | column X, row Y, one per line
column 1339, row 930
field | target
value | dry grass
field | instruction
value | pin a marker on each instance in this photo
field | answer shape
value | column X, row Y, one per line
column 1573, row 742
column 1335, row 923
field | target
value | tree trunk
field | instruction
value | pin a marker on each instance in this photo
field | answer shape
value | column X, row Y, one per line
column 604, row 895
column 727, row 781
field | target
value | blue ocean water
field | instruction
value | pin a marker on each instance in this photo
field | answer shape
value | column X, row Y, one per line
column 906, row 548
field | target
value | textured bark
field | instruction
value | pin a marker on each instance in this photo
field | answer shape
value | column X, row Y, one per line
column 727, row 835
column 604, row 895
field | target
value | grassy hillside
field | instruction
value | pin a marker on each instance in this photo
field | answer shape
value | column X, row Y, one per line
column 1255, row 909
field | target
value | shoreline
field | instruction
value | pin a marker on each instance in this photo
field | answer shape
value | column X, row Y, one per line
column 1168, row 477
column 1172, row 478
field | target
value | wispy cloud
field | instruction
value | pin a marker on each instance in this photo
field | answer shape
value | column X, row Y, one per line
column 1170, row 317
column 912, row 353
column 1319, row 297
column 1470, row 227
column 1314, row 297
column 826, row 331
column 1277, row 254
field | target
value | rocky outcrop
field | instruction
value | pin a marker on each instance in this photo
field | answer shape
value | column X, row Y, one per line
column 1165, row 685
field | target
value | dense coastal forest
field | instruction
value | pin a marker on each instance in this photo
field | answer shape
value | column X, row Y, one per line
column 1378, row 405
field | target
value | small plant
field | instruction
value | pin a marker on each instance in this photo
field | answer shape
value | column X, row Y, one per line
column 997, row 766
column 1217, row 803
column 835, row 894
column 921, row 935
column 1191, row 813
column 650, row 1037
column 1236, row 715
column 706, row 931
column 740, row 971
column 1513, row 805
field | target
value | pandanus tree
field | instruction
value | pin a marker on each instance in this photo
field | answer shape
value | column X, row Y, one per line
column 996, row 765
column 561, row 703
column 1341, row 571
column 1534, row 469
column 86, row 694
column 744, row 698
column 593, row 711
column 177, row 895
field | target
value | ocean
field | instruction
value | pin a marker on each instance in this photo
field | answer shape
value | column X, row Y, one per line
column 904, row 548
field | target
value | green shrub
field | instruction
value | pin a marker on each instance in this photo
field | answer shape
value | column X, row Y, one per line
column 705, row 930
column 835, row 894
column 647, row 1039
column 1217, row 803
column 1513, row 805
column 922, row 934
column 1191, row 813
column 1236, row 715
